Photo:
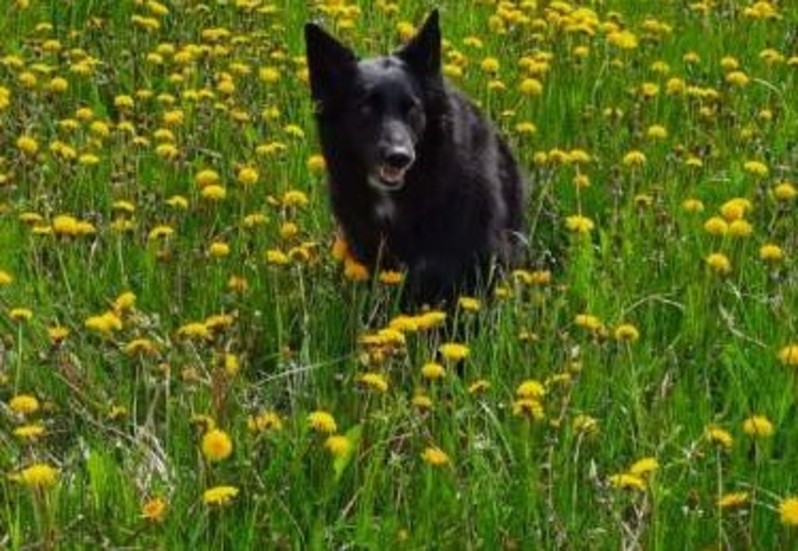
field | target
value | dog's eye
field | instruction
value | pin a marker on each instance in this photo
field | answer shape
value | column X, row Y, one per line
column 367, row 104
column 410, row 107
column 364, row 106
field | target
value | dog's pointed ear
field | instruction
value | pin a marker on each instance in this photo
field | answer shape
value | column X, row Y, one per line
column 423, row 52
column 328, row 61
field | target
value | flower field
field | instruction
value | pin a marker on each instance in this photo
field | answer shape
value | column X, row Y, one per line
column 189, row 357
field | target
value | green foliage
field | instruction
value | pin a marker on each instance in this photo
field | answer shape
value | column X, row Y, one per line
column 632, row 386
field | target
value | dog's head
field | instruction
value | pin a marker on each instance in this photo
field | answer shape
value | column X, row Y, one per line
column 376, row 107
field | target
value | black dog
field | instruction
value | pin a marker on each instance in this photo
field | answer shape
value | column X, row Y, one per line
column 419, row 180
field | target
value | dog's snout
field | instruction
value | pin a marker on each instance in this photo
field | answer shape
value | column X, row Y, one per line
column 397, row 157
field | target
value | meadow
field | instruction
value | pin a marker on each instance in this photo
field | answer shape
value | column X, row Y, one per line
column 189, row 358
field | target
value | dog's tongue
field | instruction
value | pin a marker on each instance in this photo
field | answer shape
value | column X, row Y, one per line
column 391, row 175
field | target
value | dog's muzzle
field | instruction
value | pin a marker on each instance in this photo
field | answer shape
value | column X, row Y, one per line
column 390, row 174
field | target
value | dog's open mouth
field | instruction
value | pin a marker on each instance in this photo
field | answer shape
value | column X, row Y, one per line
column 389, row 178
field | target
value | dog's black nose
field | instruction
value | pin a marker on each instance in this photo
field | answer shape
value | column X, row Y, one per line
column 398, row 158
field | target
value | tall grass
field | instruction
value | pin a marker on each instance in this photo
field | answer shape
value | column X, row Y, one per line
column 610, row 388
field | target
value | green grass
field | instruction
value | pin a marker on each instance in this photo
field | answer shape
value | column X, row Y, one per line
column 123, row 428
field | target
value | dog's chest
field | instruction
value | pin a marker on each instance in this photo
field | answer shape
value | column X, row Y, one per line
column 384, row 210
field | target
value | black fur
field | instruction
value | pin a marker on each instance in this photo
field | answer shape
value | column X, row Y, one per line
column 449, row 214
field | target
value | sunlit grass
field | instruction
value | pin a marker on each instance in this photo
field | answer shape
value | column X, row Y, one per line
column 188, row 356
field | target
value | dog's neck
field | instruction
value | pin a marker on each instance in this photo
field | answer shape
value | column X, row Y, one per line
column 384, row 208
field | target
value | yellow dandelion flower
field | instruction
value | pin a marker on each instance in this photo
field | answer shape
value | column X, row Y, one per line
column 105, row 323
column 785, row 191
column 675, row 86
column 737, row 78
column 58, row 85
column 354, row 270
column 374, row 381
column 124, row 102
column 30, row 432
column 64, row 224
column 154, row 510
column 788, row 511
column 422, row 402
column 735, row 209
column 405, row 30
column 430, row 320
column 338, row 445
column 214, row 192
column 20, row 314
column 264, row 422
column 719, row 263
column 125, row 301
column 789, row 355
column 5, row 98
column 644, row 467
column 585, row 424
column 390, row 277
column 634, row 158
column 294, row 131
column 24, row 404
column 255, row 219
column 295, row 198
column 218, row 249
column 160, row 232
column 141, row 347
column 231, row 364
column 758, row 426
column 490, row 65
column 219, row 322
column 770, row 252
column 404, row 324
column 453, row 351
column 649, row 89
column 340, row 249
column 526, row 128
column 716, row 226
column 756, row 168
column 627, row 481
column 277, row 257
column 5, row 278
column 627, row 333
column 529, row 408
column 531, row 87
column 174, row 117
column 38, row 475
column 433, row 371
column 237, row 284
column 216, row 445
column 269, row 75
column 288, row 230
column 720, row 437
column 219, row 495
column 469, row 304
column 579, row 224
column 590, row 322
column 194, row 330
column 657, row 132
column 531, row 388
column 57, row 333
column 28, row 145
column 733, row 500
column 248, row 176
column 625, row 40
column 740, row 228
column 434, row 456
column 322, row 421
column 316, row 164
column 479, row 386
column 167, row 151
